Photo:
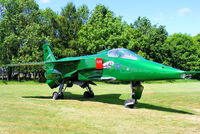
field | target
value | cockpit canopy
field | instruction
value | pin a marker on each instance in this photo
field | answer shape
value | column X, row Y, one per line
column 123, row 53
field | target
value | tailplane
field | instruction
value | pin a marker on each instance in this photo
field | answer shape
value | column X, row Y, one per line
column 48, row 55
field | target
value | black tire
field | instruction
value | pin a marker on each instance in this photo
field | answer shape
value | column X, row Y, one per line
column 129, row 103
column 61, row 95
column 88, row 94
column 55, row 95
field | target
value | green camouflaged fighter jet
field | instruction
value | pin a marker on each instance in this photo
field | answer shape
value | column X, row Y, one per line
column 109, row 65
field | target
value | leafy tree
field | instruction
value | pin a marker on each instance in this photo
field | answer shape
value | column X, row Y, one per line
column 197, row 64
column 24, row 28
column 180, row 52
column 197, row 39
column 102, row 30
column 18, row 23
column 147, row 39
column 66, row 27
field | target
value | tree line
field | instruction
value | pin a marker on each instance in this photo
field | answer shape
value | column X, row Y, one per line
column 78, row 31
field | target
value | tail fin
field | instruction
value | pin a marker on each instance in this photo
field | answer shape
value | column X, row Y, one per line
column 48, row 55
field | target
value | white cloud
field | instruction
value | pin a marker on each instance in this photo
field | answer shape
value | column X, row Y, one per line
column 45, row 1
column 184, row 11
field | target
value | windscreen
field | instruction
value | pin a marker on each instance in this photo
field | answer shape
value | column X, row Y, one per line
column 123, row 53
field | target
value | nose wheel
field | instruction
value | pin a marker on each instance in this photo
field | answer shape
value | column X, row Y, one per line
column 129, row 103
column 135, row 85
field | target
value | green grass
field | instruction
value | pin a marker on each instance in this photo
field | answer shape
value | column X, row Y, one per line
column 164, row 108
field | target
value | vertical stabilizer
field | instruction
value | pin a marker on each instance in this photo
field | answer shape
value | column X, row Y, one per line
column 48, row 55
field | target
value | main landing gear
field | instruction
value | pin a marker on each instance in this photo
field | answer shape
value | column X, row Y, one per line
column 87, row 94
column 136, row 89
column 59, row 94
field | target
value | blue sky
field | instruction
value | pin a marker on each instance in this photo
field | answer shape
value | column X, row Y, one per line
column 179, row 16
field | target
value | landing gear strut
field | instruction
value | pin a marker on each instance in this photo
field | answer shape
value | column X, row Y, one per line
column 135, row 87
column 89, row 93
column 59, row 94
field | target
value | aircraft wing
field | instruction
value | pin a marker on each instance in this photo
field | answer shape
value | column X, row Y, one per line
column 39, row 63
column 67, row 67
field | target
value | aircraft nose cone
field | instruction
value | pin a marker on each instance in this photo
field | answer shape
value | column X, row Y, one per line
column 172, row 73
column 162, row 72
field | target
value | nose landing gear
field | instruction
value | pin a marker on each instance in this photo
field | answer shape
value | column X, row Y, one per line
column 137, row 90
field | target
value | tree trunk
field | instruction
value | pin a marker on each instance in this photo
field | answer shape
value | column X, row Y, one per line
column 18, row 75
column 2, row 73
column 9, row 73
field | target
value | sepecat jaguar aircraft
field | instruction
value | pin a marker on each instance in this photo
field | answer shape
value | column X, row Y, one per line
column 108, row 65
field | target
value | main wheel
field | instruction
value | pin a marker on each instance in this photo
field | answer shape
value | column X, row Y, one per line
column 88, row 94
column 55, row 95
column 129, row 103
column 61, row 95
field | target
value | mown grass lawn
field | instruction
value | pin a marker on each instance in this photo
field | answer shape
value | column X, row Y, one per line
column 164, row 108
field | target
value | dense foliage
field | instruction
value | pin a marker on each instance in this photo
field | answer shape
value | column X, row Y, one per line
column 77, row 31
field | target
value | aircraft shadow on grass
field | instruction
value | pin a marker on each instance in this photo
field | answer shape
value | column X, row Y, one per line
column 112, row 99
